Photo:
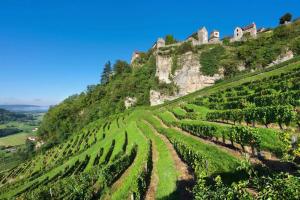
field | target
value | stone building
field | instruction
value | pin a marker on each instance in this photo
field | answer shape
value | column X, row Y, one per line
column 214, row 37
column 239, row 32
column 134, row 56
column 160, row 43
column 202, row 36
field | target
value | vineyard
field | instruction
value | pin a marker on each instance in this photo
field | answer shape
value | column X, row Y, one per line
column 235, row 140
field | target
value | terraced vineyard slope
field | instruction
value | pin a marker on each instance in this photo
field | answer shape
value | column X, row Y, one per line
column 230, row 140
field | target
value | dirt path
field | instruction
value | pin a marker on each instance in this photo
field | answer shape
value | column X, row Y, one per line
column 186, row 179
column 151, row 192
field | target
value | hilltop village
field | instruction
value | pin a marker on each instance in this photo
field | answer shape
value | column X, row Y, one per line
column 183, row 70
column 201, row 37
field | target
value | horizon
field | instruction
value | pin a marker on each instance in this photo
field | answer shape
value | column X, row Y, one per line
column 51, row 50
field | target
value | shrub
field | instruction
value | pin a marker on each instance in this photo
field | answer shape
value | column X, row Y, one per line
column 169, row 39
column 210, row 60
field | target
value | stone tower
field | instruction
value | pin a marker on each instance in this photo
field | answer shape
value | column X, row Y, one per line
column 214, row 37
column 160, row 43
column 203, row 36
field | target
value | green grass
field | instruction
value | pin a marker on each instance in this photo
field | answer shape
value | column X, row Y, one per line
column 135, row 136
column 167, row 175
column 168, row 117
column 14, row 140
column 218, row 160
column 201, row 111
column 20, row 138
column 179, row 111
column 270, row 141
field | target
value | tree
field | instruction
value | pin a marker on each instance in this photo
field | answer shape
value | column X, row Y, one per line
column 285, row 18
column 170, row 39
column 121, row 66
column 106, row 73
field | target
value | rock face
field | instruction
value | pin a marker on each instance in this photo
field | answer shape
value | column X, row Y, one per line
column 129, row 102
column 163, row 68
column 282, row 58
column 187, row 77
column 157, row 98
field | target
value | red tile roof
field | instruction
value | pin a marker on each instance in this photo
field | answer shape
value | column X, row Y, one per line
column 248, row 27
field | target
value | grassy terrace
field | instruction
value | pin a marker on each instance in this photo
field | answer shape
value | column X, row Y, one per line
column 127, row 185
column 165, row 168
column 154, row 132
column 60, row 168
column 219, row 162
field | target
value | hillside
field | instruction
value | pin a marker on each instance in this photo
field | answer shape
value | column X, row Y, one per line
column 146, row 80
column 192, row 147
column 235, row 138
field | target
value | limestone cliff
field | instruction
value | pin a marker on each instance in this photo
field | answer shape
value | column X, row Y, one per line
column 187, row 77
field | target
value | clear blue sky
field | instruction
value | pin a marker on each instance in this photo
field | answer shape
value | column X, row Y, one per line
column 51, row 49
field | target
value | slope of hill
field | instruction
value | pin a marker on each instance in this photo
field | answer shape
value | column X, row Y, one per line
column 235, row 138
column 231, row 140
column 141, row 81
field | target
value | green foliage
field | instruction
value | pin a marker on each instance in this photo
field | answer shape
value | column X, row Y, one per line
column 175, row 64
column 8, row 116
column 278, row 186
column 106, row 73
column 218, row 190
column 285, row 18
column 295, row 46
column 9, row 131
column 265, row 115
column 169, row 39
column 167, row 88
column 210, row 60
column 121, row 67
column 230, row 67
column 184, row 48
column 99, row 101
column 226, row 41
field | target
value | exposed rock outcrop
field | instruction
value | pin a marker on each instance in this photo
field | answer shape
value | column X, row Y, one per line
column 129, row 102
column 187, row 77
column 157, row 98
column 282, row 58
column 163, row 68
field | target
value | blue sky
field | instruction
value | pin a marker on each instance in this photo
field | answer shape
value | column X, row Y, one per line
column 54, row 48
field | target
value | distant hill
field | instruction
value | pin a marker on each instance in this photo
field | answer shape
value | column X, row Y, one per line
column 7, row 116
column 25, row 108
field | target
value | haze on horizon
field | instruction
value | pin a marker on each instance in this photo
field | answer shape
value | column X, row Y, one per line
column 51, row 50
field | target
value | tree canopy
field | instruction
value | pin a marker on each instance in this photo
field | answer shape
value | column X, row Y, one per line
column 106, row 73
column 285, row 18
